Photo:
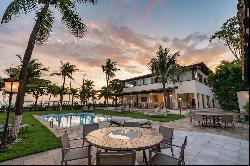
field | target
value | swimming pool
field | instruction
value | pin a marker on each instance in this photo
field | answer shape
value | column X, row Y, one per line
column 70, row 120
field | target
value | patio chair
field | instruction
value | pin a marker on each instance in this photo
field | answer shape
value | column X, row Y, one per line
column 131, row 124
column 87, row 128
column 73, row 153
column 167, row 142
column 162, row 159
column 225, row 119
column 199, row 118
column 116, row 158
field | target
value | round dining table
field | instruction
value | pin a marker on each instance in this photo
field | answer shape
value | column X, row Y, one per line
column 125, row 139
column 215, row 116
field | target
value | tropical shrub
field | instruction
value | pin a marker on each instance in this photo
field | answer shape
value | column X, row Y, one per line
column 225, row 82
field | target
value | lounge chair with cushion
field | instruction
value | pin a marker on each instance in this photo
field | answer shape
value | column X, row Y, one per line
column 119, row 121
column 131, row 124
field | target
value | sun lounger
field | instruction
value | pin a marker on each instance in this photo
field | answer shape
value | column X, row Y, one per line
column 119, row 121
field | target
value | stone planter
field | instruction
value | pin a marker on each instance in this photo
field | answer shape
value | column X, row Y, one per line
column 243, row 98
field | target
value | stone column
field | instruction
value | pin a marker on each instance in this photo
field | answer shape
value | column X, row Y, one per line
column 175, row 101
column 200, row 101
column 196, row 100
column 205, row 101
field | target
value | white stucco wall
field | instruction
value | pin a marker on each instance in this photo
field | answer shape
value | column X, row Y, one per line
column 143, row 87
column 186, row 76
column 183, row 87
column 192, row 86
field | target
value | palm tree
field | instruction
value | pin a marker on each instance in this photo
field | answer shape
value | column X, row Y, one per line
column 164, row 67
column 116, row 87
column 103, row 93
column 94, row 96
column 74, row 93
column 40, row 33
column 1, row 84
column 35, row 69
column 86, row 91
column 37, row 87
column 109, row 68
column 66, row 70
column 53, row 90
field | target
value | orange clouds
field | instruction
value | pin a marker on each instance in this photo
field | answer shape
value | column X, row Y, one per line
column 132, row 50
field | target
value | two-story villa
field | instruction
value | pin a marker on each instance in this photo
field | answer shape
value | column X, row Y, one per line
column 191, row 91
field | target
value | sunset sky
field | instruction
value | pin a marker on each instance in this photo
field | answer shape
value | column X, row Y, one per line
column 128, row 31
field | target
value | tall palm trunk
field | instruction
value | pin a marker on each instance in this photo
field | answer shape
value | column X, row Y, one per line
column 24, row 75
column 36, row 100
column 107, row 79
column 165, row 95
column 49, row 99
column 61, row 94
column 115, row 101
column 72, row 100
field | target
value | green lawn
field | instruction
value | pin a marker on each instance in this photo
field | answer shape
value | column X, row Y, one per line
column 160, row 118
column 38, row 138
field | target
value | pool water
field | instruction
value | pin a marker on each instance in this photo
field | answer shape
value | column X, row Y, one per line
column 70, row 120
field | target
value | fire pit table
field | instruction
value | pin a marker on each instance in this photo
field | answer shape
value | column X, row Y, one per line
column 124, row 139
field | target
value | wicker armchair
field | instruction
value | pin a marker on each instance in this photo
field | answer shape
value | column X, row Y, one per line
column 73, row 153
column 162, row 159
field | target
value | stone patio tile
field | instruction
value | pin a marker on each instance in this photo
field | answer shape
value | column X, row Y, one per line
column 230, row 147
column 212, row 150
column 202, row 159
column 244, row 144
column 222, row 161
column 244, row 155
column 205, row 145
column 7, row 163
column 18, row 161
column 212, row 145
column 228, row 155
column 232, row 141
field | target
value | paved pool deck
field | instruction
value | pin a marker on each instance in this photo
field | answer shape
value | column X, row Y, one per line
column 201, row 149
column 205, row 145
